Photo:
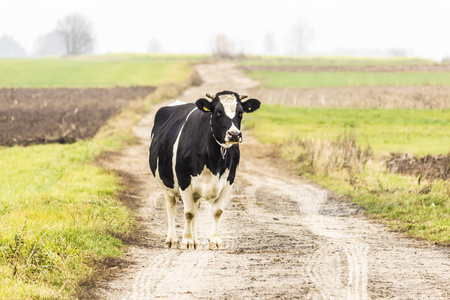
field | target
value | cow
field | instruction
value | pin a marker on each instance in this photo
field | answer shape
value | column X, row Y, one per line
column 194, row 154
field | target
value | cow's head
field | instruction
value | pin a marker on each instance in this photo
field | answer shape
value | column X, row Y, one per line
column 226, row 109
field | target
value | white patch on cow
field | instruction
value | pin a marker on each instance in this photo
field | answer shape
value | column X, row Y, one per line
column 233, row 128
column 229, row 103
column 227, row 137
column 177, row 102
column 157, row 176
column 209, row 186
column 175, row 151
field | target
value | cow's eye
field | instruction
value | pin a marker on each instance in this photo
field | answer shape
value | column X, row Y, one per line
column 240, row 115
column 218, row 114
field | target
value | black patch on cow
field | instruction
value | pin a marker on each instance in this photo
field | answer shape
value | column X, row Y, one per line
column 168, row 122
column 204, row 105
column 251, row 105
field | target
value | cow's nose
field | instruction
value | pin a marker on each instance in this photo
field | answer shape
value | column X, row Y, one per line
column 234, row 136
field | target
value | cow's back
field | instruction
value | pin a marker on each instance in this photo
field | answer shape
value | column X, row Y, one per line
column 168, row 122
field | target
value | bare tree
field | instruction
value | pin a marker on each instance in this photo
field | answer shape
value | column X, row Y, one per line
column 302, row 35
column 51, row 43
column 222, row 47
column 77, row 34
column 9, row 47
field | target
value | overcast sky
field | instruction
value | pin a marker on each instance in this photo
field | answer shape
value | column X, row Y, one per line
column 189, row 26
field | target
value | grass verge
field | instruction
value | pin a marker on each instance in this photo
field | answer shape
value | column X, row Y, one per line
column 59, row 212
column 346, row 164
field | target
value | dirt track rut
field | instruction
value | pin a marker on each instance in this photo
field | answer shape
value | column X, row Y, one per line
column 283, row 237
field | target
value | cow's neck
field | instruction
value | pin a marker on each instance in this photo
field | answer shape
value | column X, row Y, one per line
column 219, row 154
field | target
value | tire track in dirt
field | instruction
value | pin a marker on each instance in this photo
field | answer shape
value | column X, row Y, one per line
column 327, row 266
column 283, row 237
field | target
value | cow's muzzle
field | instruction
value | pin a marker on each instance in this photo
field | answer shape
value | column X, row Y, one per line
column 233, row 137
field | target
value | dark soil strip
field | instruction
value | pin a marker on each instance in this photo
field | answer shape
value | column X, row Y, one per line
column 430, row 167
column 59, row 115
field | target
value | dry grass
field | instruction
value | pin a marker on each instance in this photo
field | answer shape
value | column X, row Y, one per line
column 323, row 156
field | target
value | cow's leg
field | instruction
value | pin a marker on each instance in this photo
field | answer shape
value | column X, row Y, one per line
column 195, row 223
column 216, row 211
column 170, row 201
column 190, row 211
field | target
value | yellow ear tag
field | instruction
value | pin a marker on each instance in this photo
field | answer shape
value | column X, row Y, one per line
column 205, row 108
column 249, row 108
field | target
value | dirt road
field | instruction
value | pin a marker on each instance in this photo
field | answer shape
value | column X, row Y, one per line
column 283, row 237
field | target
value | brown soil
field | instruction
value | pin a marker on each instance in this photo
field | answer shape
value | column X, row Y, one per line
column 430, row 167
column 417, row 97
column 362, row 68
column 283, row 237
column 59, row 115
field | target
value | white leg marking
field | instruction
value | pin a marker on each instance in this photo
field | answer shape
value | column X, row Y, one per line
column 216, row 211
column 190, row 211
column 171, row 240
column 195, row 225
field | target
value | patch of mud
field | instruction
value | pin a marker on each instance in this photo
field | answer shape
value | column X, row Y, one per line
column 430, row 167
column 340, row 206
column 59, row 115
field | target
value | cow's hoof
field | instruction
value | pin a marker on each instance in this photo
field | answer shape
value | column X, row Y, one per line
column 215, row 243
column 171, row 243
column 188, row 244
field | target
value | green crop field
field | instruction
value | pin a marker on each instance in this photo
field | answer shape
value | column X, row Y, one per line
column 273, row 79
column 103, row 71
column 420, row 132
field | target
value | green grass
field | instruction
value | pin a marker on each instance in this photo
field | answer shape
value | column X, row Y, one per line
column 275, row 79
column 333, row 61
column 58, row 213
column 420, row 208
column 387, row 130
column 102, row 71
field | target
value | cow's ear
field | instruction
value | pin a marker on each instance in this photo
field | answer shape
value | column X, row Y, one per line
column 204, row 105
column 251, row 105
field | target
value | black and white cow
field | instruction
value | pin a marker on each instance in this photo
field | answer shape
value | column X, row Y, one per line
column 194, row 153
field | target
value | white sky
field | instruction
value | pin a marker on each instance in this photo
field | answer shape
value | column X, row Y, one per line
column 189, row 26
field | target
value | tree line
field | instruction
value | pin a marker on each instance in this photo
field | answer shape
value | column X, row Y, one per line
column 73, row 35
